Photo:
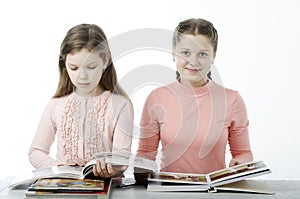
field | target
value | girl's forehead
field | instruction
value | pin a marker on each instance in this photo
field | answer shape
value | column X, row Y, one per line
column 82, row 56
column 194, row 42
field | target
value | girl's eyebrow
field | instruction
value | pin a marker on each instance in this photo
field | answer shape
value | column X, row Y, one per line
column 190, row 49
column 92, row 62
column 70, row 64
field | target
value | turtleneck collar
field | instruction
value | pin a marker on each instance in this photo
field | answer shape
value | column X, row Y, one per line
column 194, row 91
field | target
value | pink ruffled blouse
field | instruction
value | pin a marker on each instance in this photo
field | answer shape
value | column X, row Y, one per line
column 83, row 126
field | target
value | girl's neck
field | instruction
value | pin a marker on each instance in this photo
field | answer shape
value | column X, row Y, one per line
column 96, row 92
column 193, row 84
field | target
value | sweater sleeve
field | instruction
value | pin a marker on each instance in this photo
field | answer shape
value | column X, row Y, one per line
column 123, row 133
column 42, row 141
column 238, row 132
column 150, row 130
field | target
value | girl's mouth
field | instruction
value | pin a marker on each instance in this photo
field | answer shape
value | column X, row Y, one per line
column 193, row 70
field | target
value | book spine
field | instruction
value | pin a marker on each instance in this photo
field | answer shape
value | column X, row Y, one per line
column 211, row 190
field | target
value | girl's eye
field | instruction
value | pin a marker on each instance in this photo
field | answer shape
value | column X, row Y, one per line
column 185, row 53
column 203, row 54
column 92, row 67
column 73, row 68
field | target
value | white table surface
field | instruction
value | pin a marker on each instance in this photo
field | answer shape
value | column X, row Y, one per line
column 284, row 189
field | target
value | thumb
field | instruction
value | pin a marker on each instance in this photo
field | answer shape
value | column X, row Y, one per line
column 233, row 162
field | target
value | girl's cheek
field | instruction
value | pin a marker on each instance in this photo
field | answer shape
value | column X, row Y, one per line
column 181, row 63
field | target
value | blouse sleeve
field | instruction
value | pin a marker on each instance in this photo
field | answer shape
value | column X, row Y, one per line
column 123, row 133
column 42, row 141
column 238, row 132
column 150, row 130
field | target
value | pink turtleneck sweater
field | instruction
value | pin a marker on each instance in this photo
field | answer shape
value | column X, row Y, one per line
column 194, row 125
column 83, row 126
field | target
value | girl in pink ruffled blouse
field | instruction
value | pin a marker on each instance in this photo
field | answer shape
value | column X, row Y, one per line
column 89, row 112
column 194, row 118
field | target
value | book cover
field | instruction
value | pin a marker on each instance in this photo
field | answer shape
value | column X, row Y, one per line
column 246, row 186
column 104, row 194
column 75, row 185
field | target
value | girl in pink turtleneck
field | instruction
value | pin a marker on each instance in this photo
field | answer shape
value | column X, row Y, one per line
column 89, row 112
column 194, row 118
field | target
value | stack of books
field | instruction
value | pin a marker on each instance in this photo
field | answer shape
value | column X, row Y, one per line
column 74, row 181
column 69, row 188
column 86, row 172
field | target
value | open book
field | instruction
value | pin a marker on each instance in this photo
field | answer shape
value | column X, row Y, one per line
column 86, row 172
column 168, row 181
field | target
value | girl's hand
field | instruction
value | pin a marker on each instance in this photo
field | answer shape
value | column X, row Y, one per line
column 233, row 162
column 106, row 170
column 76, row 162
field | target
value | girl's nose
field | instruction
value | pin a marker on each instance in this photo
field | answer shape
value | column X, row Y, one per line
column 82, row 73
column 193, row 60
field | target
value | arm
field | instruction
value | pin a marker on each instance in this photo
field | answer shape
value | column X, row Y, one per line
column 122, row 137
column 238, row 133
column 149, row 137
column 121, row 143
column 150, row 130
column 43, row 139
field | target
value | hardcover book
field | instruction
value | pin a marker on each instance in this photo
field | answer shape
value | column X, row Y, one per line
column 85, row 190
column 229, row 177
column 74, row 185
column 86, row 172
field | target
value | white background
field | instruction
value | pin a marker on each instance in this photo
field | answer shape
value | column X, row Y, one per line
column 257, row 55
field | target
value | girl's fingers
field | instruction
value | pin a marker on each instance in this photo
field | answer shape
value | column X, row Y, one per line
column 96, row 172
column 233, row 162
column 81, row 162
column 76, row 161
column 106, row 170
column 101, row 169
column 110, row 169
column 102, row 164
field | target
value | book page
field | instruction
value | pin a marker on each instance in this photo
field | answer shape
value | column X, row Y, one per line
column 120, row 159
column 59, row 171
column 28, row 178
column 238, row 172
column 128, row 159
column 178, row 178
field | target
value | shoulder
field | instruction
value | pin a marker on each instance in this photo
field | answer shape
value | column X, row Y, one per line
column 54, row 102
column 119, row 99
column 162, row 91
column 228, row 91
column 118, row 102
column 233, row 97
column 54, row 107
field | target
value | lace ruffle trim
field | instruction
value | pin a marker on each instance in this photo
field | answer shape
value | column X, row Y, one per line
column 93, row 126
